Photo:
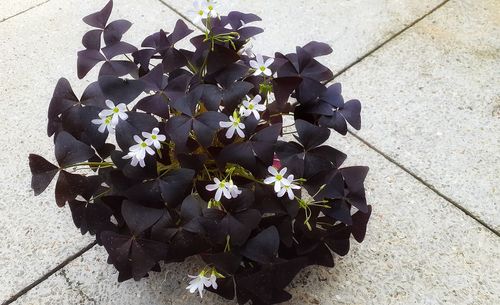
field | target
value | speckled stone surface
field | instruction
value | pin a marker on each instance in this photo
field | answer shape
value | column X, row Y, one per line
column 38, row 47
column 431, row 101
column 9, row 8
column 419, row 250
column 352, row 27
column 427, row 95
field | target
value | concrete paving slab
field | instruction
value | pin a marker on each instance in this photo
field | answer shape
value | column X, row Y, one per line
column 9, row 8
column 40, row 46
column 352, row 28
column 419, row 250
column 432, row 102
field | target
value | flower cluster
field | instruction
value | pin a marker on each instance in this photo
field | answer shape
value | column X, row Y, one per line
column 211, row 151
column 108, row 118
column 201, row 281
column 138, row 151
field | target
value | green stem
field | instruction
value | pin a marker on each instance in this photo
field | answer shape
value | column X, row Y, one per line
column 91, row 164
column 248, row 177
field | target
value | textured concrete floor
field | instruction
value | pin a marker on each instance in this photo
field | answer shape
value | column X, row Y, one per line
column 427, row 74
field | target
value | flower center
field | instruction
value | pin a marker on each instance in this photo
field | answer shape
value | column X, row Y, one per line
column 200, row 12
column 107, row 121
column 279, row 177
column 210, row 7
column 222, row 184
column 263, row 68
column 154, row 137
column 116, row 110
column 144, row 145
column 250, row 106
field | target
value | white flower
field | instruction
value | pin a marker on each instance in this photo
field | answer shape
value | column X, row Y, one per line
column 199, row 283
column 233, row 125
column 105, row 122
column 136, row 159
column 210, row 7
column 138, row 151
column 262, row 66
column 221, row 187
column 199, row 12
column 289, row 188
column 252, row 107
column 213, row 280
column 118, row 111
column 233, row 189
column 278, row 178
column 154, row 138
column 248, row 50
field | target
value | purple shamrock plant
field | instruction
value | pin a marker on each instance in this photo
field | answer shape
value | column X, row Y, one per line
column 173, row 153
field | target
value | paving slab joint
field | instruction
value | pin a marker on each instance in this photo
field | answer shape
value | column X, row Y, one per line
column 24, row 11
column 50, row 273
column 375, row 49
column 427, row 184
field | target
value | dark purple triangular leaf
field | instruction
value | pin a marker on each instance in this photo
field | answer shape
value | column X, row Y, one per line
column 69, row 150
column 120, row 90
column 114, row 31
column 87, row 59
column 175, row 185
column 42, row 173
column 100, row 19
column 263, row 248
column 92, row 39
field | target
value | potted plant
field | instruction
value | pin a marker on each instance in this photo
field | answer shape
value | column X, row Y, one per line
column 212, row 151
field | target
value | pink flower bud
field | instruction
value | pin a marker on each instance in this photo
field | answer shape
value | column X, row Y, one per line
column 276, row 162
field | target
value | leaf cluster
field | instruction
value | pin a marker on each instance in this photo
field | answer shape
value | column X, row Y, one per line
column 162, row 212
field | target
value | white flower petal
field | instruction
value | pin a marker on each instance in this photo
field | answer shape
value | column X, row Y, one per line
column 269, row 180
column 260, row 107
column 269, row 62
column 254, row 64
column 277, row 186
column 105, row 113
column 150, row 151
column 110, row 104
column 226, row 193
column 240, row 132
column 218, row 194
column 225, row 124
column 230, row 132
column 283, row 171
column 211, row 187
column 256, row 115
column 257, row 99
column 272, row 170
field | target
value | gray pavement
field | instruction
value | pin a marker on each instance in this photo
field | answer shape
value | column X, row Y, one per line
column 427, row 75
